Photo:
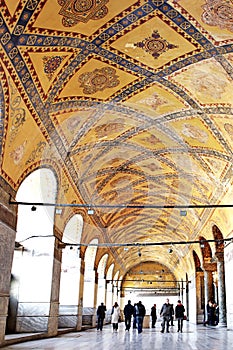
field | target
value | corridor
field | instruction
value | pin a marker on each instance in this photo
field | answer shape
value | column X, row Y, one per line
column 193, row 338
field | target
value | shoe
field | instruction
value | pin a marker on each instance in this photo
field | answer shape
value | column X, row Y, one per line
column 168, row 332
column 162, row 331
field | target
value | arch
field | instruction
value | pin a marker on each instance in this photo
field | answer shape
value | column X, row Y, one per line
column 33, row 262
column 116, row 294
column 39, row 186
column 70, row 273
column 110, row 272
column 89, row 275
column 205, row 248
column 101, row 295
column 219, row 244
column 197, row 262
column 109, row 277
column 102, row 266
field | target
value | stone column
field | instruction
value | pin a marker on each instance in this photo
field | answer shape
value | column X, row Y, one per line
column 209, row 268
column 8, row 219
column 81, row 286
column 95, row 298
column 221, row 290
column 55, row 287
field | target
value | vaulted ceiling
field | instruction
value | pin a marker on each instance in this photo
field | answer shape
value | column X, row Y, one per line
column 131, row 103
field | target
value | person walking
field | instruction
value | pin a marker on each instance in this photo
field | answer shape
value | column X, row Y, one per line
column 100, row 316
column 134, row 317
column 179, row 314
column 153, row 315
column 128, row 312
column 115, row 316
column 166, row 314
column 140, row 312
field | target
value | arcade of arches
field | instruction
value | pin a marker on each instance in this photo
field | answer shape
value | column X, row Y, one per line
column 116, row 178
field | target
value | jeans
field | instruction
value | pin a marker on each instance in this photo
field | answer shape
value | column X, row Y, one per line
column 165, row 322
column 139, row 323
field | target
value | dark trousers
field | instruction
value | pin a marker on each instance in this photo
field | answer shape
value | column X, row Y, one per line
column 127, row 323
column 115, row 326
column 153, row 318
column 165, row 322
column 100, row 322
column 139, row 323
column 180, row 324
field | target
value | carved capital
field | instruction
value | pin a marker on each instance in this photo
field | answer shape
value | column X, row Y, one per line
column 211, row 267
column 220, row 256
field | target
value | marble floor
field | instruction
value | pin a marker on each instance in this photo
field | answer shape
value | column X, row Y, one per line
column 193, row 338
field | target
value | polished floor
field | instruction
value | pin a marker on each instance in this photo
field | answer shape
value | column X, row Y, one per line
column 193, row 338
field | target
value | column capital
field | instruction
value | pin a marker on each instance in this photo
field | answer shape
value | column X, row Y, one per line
column 220, row 256
column 210, row 267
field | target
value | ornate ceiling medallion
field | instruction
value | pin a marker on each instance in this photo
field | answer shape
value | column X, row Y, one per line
column 218, row 13
column 98, row 80
column 155, row 45
column 51, row 64
column 74, row 11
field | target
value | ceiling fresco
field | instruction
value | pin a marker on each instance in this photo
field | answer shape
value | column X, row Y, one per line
column 130, row 102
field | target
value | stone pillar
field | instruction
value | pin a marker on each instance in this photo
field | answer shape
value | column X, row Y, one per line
column 200, row 297
column 95, row 298
column 221, row 290
column 208, row 283
column 8, row 219
column 209, row 268
column 55, row 287
column 81, row 286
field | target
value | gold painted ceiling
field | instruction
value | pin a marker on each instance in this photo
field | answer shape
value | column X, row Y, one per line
column 130, row 102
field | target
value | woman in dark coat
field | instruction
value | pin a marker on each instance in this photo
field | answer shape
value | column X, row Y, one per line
column 179, row 314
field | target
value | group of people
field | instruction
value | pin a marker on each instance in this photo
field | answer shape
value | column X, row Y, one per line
column 167, row 313
column 138, row 312
column 212, row 311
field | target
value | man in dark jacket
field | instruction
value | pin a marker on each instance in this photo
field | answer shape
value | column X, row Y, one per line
column 128, row 312
column 140, row 312
column 153, row 316
column 100, row 316
column 166, row 313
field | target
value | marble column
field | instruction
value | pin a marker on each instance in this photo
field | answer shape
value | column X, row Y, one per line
column 81, row 287
column 221, row 290
column 7, row 241
column 8, row 219
column 55, row 287
column 95, row 298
